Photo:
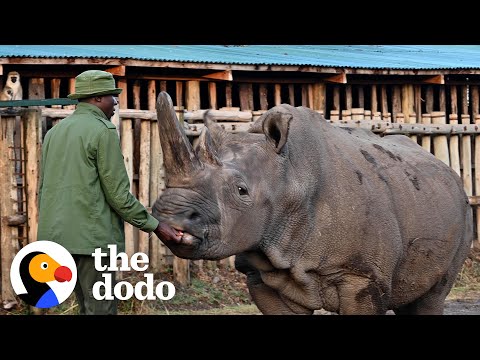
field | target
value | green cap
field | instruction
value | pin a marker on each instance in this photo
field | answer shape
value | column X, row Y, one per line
column 94, row 83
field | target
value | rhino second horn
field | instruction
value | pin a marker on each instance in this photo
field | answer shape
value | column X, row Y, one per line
column 217, row 133
column 206, row 151
column 178, row 156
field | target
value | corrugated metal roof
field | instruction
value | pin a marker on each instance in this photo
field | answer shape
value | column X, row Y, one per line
column 352, row 56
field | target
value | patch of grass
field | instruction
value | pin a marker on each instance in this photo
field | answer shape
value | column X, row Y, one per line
column 467, row 284
column 227, row 310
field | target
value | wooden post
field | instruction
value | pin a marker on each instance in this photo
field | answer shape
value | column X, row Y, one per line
column 310, row 95
column 464, row 99
column 477, row 177
column 8, row 207
column 474, row 100
column 71, row 90
column 277, row 94
column 127, row 151
column 412, row 119
column 163, row 85
column 319, row 93
column 407, row 101
column 136, row 139
column 179, row 92
column 228, row 94
column 192, row 95
column 263, row 97
column 157, row 175
column 467, row 158
column 144, row 180
column 251, row 104
column 440, row 143
column 417, row 89
column 55, row 91
column 122, row 97
column 36, row 90
column 348, row 97
column 212, row 95
column 454, row 149
column 156, row 171
column 361, row 96
column 429, row 99
column 336, row 98
column 305, row 95
column 384, row 99
column 243, row 94
column 442, row 99
column 426, row 119
column 373, row 99
column 291, row 94
column 151, row 95
column 453, row 99
column 33, row 145
column 181, row 271
column 396, row 102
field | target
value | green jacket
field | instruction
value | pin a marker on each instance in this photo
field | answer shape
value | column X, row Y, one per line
column 84, row 193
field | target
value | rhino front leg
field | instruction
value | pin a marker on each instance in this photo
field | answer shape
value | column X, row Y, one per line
column 360, row 295
column 269, row 301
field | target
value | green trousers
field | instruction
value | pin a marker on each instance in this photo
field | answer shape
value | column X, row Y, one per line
column 87, row 276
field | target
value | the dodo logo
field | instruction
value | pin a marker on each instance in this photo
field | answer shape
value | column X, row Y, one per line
column 43, row 274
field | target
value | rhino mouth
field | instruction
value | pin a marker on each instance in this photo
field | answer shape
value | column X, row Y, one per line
column 189, row 239
column 189, row 246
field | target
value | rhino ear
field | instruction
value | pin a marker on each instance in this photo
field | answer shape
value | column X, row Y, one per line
column 275, row 128
column 205, row 150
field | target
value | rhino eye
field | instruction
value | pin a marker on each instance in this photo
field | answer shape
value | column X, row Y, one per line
column 242, row 190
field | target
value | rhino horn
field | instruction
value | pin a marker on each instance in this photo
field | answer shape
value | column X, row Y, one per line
column 206, row 151
column 178, row 156
column 217, row 133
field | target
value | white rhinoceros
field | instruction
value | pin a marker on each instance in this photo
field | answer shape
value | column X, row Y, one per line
column 318, row 216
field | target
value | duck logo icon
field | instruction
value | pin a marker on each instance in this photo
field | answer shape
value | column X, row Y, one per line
column 43, row 274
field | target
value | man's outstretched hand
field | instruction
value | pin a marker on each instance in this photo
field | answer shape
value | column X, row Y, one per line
column 167, row 234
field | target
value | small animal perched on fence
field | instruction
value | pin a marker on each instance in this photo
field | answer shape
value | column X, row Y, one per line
column 13, row 84
column 318, row 216
column 6, row 94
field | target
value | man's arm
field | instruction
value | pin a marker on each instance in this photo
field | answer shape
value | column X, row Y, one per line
column 116, row 185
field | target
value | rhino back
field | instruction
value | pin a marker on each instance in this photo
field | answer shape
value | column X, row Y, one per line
column 388, row 208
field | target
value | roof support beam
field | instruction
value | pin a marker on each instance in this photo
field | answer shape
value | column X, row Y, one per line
column 220, row 75
column 436, row 79
column 340, row 78
column 116, row 70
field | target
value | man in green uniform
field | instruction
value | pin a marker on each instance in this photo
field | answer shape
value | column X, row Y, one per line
column 84, row 193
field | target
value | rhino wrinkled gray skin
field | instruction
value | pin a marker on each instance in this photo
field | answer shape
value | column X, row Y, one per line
column 318, row 216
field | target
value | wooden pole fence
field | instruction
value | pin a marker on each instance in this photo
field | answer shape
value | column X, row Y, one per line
column 456, row 143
